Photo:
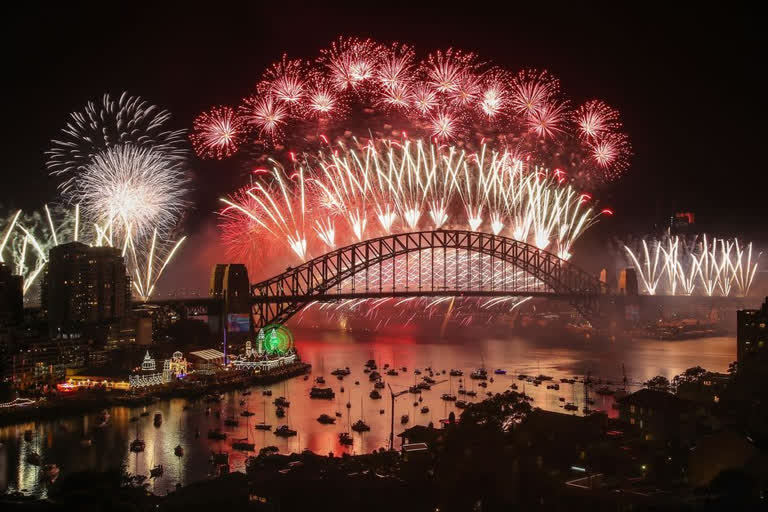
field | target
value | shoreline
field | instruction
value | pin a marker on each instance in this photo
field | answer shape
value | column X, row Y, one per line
column 90, row 401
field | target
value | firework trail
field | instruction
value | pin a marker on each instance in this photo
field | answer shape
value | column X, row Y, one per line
column 449, row 95
column 333, row 197
column 720, row 267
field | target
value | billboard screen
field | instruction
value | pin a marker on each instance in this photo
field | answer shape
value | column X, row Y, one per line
column 239, row 322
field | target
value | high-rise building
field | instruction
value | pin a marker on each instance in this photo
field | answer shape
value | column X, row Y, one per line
column 84, row 287
column 751, row 332
column 11, row 297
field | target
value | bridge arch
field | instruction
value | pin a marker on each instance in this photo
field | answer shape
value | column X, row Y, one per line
column 278, row 298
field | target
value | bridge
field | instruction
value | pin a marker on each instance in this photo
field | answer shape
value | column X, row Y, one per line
column 431, row 264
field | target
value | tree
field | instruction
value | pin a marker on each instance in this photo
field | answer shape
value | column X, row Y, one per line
column 658, row 383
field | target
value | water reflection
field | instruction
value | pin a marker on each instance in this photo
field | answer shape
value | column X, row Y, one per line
column 60, row 441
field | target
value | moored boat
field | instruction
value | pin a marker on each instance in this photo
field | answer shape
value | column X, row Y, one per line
column 284, row 431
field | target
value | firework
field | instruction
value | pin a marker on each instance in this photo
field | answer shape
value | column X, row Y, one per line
column 102, row 125
column 720, row 267
column 401, row 185
column 218, row 133
column 133, row 190
column 450, row 95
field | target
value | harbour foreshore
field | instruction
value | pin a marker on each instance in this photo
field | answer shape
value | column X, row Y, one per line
column 85, row 401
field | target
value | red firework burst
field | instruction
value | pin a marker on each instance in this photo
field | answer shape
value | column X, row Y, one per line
column 595, row 119
column 266, row 115
column 218, row 133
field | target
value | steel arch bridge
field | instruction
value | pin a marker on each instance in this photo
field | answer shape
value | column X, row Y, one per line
column 505, row 268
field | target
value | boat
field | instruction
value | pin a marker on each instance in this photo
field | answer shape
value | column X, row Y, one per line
column 51, row 472
column 178, row 451
column 357, row 383
column 243, row 445
column 322, row 393
column 543, row 377
column 491, row 379
column 280, row 412
column 483, row 384
column 374, row 376
column 326, row 420
column 267, row 392
column 284, row 431
column 381, row 411
column 219, row 458
column 34, row 458
column 499, row 371
column 263, row 426
column 349, row 405
column 231, row 422
column 415, row 404
column 561, row 399
column 414, row 389
column 137, row 445
column 156, row 472
column 404, row 419
column 392, row 372
column 448, row 397
column 345, row 439
column 306, row 377
column 341, row 389
column 360, row 426
column 269, row 450
column 513, row 386
column 455, row 373
column 320, row 380
column 246, row 413
column 461, row 404
column 158, row 419
column 379, row 384
column 341, row 372
column 472, row 393
column 370, row 364
column 570, row 407
column 429, row 380
column 28, row 435
column 281, row 402
column 479, row 374
column 217, row 435
column 417, row 371
column 338, row 414
column 375, row 394
column 424, row 410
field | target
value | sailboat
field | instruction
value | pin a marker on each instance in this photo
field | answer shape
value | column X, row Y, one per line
column 245, row 444
column 137, row 445
column 360, row 425
column 263, row 425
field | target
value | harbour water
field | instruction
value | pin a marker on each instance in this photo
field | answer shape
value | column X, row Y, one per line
column 59, row 441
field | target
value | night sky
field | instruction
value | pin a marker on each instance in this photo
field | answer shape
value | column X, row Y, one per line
column 689, row 85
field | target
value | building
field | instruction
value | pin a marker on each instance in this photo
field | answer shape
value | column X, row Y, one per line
column 84, row 289
column 751, row 332
column 11, row 297
column 659, row 416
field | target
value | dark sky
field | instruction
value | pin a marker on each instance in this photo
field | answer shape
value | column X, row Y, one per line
column 688, row 83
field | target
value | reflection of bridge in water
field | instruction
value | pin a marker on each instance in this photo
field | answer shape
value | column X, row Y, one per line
column 440, row 263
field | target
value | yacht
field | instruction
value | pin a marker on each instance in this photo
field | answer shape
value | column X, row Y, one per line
column 284, row 431
column 360, row 426
column 326, row 420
